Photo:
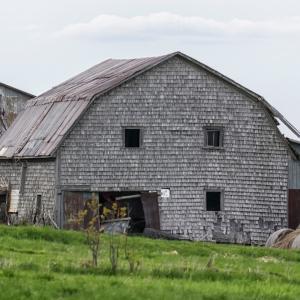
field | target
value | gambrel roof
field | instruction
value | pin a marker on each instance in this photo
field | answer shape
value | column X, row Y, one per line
column 42, row 126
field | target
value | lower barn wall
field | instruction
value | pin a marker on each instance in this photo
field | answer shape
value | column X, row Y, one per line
column 39, row 179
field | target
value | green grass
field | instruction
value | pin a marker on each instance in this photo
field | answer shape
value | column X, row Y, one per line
column 43, row 263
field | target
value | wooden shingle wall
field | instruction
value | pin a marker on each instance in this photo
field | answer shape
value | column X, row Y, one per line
column 39, row 179
column 172, row 103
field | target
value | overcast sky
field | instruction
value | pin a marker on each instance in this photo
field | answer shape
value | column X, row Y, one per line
column 255, row 42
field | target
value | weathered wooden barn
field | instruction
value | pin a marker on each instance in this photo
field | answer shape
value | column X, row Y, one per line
column 185, row 149
column 12, row 101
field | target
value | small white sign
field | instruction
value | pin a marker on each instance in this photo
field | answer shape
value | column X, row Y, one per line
column 165, row 193
column 14, row 201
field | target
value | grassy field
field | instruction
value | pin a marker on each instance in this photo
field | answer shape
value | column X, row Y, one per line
column 41, row 263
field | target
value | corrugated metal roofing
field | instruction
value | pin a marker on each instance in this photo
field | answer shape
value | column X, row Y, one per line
column 42, row 126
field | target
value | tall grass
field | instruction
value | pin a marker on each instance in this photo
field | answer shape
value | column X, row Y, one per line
column 43, row 263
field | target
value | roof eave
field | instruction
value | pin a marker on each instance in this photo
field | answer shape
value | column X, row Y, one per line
column 3, row 158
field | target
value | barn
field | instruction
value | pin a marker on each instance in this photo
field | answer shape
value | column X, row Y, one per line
column 183, row 148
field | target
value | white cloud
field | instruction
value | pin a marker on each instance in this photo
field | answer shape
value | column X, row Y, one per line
column 162, row 25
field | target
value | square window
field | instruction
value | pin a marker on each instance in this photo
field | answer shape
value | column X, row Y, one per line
column 213, row 200
column 213, row 137
column 132, row 137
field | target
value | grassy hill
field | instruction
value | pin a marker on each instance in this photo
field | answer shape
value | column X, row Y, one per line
column 42, row 263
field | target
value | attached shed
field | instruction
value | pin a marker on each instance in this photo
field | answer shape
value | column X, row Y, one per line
column 183, row 148
column 12, row 101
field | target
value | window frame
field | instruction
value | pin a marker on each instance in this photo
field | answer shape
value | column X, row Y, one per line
column 206, row 129
column 214, row 190
column 140, row 136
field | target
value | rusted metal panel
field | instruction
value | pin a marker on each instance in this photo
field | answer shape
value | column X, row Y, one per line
column 74, row 203
column 294, row 208
column 151, row 210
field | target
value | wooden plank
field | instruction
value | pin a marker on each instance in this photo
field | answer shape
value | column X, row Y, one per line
column 151, row 210
column 294, row 208
column 74, row 202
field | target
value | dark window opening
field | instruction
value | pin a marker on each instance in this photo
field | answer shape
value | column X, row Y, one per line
column 213, row 137
column 132, row 137
column 3, row 207
column 213, row 201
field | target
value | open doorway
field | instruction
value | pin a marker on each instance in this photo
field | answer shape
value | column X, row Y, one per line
column 3, row 207
column 118, row 205
column 138, row 208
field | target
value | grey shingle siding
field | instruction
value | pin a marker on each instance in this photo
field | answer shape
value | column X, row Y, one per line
column 172, row 103
column 39, row 179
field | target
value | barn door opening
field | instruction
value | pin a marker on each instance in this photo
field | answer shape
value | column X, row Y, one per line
column 140, row 209
column 3, row 207
column 294, row 208
column 123, row 205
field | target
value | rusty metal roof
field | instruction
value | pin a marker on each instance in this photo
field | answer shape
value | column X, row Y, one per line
column 47, row 119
